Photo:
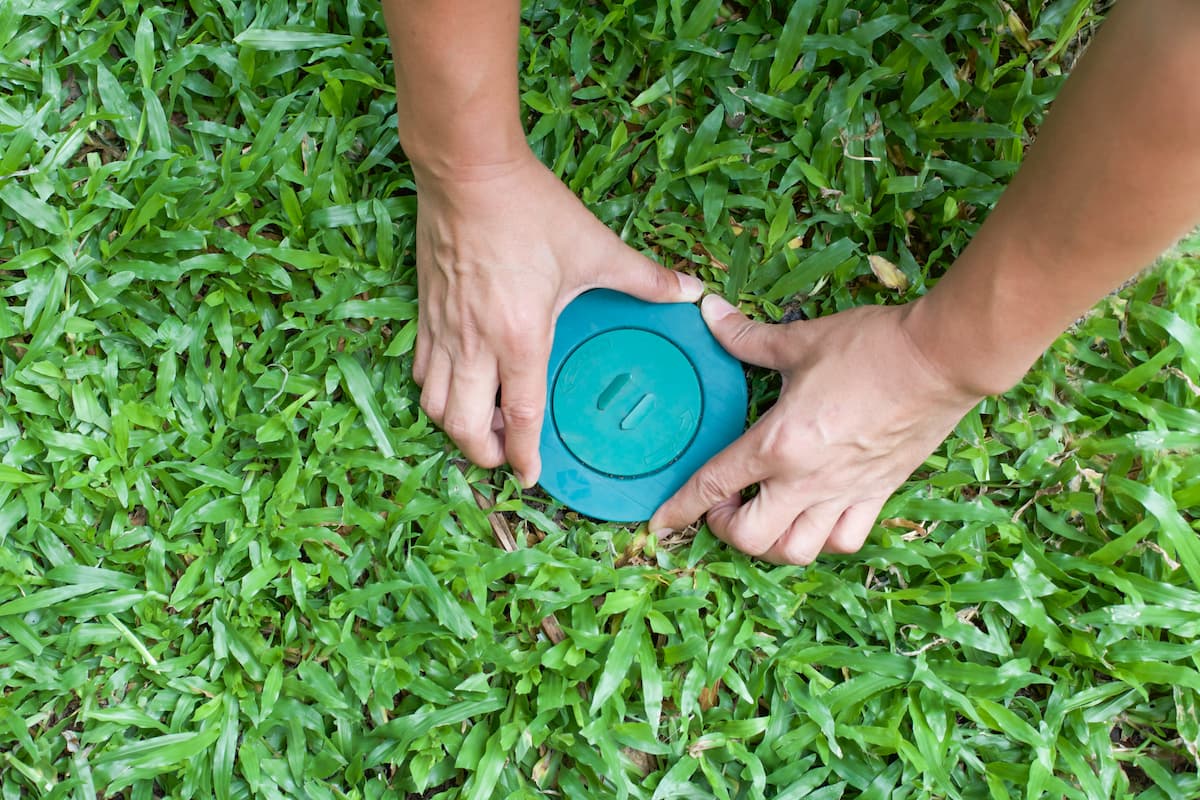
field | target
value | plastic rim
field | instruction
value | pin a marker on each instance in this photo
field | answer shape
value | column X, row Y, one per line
column 639, row 396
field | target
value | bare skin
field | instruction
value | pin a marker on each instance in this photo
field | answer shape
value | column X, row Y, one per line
column 869, row 393
column 1113, row 180
column 860, row 409
column 502, row 244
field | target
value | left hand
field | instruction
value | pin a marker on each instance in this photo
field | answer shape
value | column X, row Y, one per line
column 861, row 408
column 501, row 250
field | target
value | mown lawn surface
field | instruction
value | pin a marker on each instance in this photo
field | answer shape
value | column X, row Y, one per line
column 237, row 561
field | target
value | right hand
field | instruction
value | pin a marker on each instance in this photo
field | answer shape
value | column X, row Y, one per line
column 862, row 406
column 501, row 250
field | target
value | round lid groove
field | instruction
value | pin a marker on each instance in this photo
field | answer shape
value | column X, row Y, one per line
column 639, row 396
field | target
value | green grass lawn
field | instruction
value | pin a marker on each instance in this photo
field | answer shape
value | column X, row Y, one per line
column 237, row 561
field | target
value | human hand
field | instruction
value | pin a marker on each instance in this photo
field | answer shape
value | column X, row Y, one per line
column 860, row 409
column 501, row 250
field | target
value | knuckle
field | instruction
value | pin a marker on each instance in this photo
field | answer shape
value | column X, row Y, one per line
column 745, row 538
column 434, row 409
column 521, row 414
column 799, row 551
column 420, row 367
column 800, row 559
column 473, row 443
column 471, row 346
column 839, row 545
column 845, row 542
column 797, row 548
column 488, row 460
column 461, row 431
column 524, row 321
column 710, row 485
column 781, row 442
column 731, row 526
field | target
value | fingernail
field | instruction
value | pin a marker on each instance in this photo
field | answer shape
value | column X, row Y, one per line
column 716, row 308
column 691, row 286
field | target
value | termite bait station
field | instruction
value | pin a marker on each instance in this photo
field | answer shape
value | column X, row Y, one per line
column 639, row 396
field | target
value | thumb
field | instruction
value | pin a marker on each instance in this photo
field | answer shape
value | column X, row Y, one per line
column 746, row 340
column 634, row 274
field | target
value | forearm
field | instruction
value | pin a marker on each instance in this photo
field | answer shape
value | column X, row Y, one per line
column 1112, row 181
column 456, row 82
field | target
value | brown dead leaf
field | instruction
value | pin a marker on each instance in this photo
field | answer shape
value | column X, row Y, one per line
column 635, row 551
column 644, row 762
column 541, row 769
column 888, row 273
column 1016, row 26
column 906, row 524
column 696, row 748
column 713, row 260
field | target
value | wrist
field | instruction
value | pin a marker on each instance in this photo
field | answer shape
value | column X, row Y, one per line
column 464, row 158
column 958, row 346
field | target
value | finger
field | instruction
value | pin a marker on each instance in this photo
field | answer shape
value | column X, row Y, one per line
column 756, row 526
column 421, row 356
column 522, row 405
column 426, row 314
column 806, row 536
column 719, row 515
column 631, row 272
column 746, row 340
column 726, row 473
column 852, row 530
column 470, row 410
column 436, row 388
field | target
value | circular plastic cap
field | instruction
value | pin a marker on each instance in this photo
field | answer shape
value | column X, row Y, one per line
column 640, row 395
column 626, row 423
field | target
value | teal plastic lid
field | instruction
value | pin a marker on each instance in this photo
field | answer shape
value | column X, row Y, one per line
column 639, row 396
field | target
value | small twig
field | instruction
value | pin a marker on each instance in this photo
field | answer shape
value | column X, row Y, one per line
column 504, row 536
column 282, row 386
column 966, row 615
column 1038, row 495
column 1178, row 373
column 1149, row 545
column 938, row 642
column 915, row 529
